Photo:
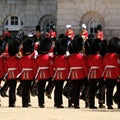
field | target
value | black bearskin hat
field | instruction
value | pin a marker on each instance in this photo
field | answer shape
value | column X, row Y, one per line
column 37, row 27
column 88, row 43
column 45, row 45
column 95, row 45
column 2, row 46
column 99, row 27
column 61, row 46
column 28, row 46
column 104, row 47
column 114, row 44
column 13, row 47
column 76, row 45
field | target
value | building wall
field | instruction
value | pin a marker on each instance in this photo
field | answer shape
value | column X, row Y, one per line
column 76, row 12
column 29, row 11
column 63, row 12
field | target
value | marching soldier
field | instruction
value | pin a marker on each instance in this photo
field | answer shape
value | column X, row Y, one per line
column 60, row 69
column 95, row 70
column 110, row 71
column 2, row 49
column 12, row 69
column 44, row 69
column 78, row 68
column 27, row 70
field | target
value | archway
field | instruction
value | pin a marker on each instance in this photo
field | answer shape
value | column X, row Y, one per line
column 92, row 19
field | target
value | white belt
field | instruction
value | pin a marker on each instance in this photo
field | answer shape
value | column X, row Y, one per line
column 92, row 68
column 73, row 68
column 56, row 70
column 40, row 68
column 9, row 69
column 24, row 69
column 106, row 67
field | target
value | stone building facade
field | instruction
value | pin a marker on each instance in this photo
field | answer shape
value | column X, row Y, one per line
column 26, row 14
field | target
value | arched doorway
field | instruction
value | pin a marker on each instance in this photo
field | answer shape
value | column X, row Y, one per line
column 92, row 19
column 46, row 22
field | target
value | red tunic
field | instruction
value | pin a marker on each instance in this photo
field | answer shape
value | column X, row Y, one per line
column 78, row 66
column 11, row 67
column 6, row 33
column 95, row 66
column 27, row 68
column 100, row 35
column 60, row 67
column 1, row 66
column 110, row 65
column 44, row 67
column 70, row 34
column 84, row 34
column 118, row 65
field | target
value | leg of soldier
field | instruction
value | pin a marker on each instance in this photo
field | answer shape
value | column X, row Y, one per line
column 12, row 92
column 110, row 84
column 49, row 88
column 4, row 89
column 58, row 101
column 41, row 89
column 26, row 85
column 92, row 92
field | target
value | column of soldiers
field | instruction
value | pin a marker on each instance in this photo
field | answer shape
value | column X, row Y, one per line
column 91, row 68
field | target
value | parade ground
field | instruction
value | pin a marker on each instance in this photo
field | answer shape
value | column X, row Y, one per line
column 51, row 113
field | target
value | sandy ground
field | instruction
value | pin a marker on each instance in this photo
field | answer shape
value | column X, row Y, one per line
column 51, row 113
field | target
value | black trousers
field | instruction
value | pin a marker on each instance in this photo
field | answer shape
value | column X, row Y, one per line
column 50, row 86
column 58, row 101
column 92, row 91
column 12, row 91
column 26, row 86
column 77, row 84
column 41, row 90
column 110, row 84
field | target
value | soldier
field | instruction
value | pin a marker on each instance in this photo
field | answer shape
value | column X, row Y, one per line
column 116, row 96
column 95, row 70
column 69, row 33
column 99, row 32
column 78, row 68
column 27, row 70
column 12, row 69
column 84, row 32
column 44, row 69
column 110, row 71
column 60, row 67
column 2, row 49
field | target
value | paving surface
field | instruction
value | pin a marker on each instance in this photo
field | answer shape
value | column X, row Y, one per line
column 51, row 113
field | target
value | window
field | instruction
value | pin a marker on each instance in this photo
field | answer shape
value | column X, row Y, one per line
column 92, row 26
column 12, row 1
column 14, row 20
column 48, row 24
column 13, row 23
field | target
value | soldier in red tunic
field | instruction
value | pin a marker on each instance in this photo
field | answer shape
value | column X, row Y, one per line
column 69, row 33
column 99, row 33
column 84, row 32
column 60, row 68
column 116, row 96
column 12, row 69
column 78, row 68
column 2, row 49
column 27, row 70
column 44, row 69
column 110, row 71
column 95, row 70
